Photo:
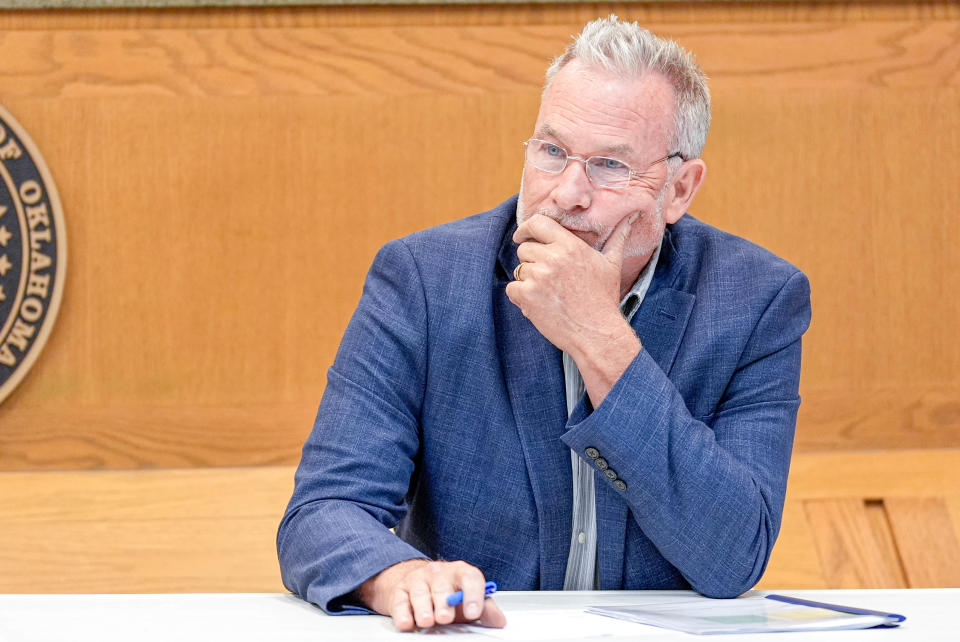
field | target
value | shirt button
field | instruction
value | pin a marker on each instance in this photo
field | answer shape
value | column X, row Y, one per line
column 581, row 537
column 602, row 463
column 592, row 452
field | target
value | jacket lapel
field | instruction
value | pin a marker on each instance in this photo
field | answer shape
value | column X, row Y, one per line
column 533, row 370
column 662, row 318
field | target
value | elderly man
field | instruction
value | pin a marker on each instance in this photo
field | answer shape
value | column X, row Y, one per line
column 583, row 388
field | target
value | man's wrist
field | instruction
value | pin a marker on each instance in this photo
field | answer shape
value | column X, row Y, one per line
column 606, row 343
column 603, row 358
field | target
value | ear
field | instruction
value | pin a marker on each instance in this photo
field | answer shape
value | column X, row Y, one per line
column 688, row 180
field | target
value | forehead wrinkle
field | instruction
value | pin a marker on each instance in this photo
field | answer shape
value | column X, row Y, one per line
column 620, row 149
column 637, row 122
column 634, row 115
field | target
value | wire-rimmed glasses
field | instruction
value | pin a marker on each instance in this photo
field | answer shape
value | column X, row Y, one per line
column 609, row 173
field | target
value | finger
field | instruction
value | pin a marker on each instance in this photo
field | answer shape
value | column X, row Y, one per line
column 529, row 272
column 614, row 247
column 400, row 610
column 421, row 600
column 532, row 251
column 492, row 616
column 517, row 295
column 441, row 587
column 540, row 228
column 513, row 292
column 472, row 583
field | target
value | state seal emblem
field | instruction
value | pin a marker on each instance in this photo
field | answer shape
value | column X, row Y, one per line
column 33, row 253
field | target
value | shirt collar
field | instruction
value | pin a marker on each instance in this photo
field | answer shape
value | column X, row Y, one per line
column 631, row 302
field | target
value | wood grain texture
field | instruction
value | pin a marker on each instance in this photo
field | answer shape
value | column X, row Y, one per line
column 952, row 501
column 142, row 532
column 217, row 270
column 227, row 185
column 928, row 544
column 794, row 563
column 392, row 62
column 214, row 529
column 879, row 419
column 850, row 553
column 154, row 436
column 889, row 546
column 904, row 504
column 876, row 474
column 480, row 15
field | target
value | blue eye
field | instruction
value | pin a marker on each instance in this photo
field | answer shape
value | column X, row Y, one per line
column 554, row 150
column 609, row 163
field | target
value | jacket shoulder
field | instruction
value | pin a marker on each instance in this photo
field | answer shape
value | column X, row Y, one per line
column 717, row 257
column 451, row 264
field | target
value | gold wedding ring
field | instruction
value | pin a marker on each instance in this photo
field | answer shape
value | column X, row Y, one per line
column 516, row 271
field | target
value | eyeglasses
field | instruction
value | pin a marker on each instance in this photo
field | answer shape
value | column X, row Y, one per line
column 602, row 171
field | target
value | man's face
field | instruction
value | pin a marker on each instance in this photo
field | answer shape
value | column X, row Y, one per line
column 591, row 112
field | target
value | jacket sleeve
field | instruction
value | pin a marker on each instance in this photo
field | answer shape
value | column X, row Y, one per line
column 357, row 463
column 708, row 492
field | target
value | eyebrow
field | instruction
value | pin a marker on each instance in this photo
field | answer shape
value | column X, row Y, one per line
column 622, row 149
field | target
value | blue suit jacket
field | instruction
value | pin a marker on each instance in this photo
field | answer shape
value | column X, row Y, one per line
column 444, row 416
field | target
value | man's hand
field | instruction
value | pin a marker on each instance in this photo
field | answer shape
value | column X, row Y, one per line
column 415, row 593
column 572, row 293
column 567, row 289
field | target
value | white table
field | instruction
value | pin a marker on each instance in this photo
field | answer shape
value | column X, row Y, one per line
column 241, row 617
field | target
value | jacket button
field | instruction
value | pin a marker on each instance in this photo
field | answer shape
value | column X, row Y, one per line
column 602, row 463
column 610, row 473
column 619, row 485
column 592, row 452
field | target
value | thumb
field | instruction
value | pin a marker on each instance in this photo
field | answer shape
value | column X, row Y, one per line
column 492, row 616
column 614, row 247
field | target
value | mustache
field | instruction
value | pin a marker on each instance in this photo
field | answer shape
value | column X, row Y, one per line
column 576, row 223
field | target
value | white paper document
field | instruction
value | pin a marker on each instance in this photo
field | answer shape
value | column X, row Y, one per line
column 754, row 614
column 554, row 624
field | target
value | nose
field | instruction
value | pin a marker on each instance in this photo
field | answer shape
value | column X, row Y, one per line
column 573, row 187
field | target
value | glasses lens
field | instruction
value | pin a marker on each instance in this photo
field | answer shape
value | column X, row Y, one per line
column 546, row 156
column 608, row 172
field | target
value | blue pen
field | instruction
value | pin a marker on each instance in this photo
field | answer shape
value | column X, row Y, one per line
column 456, row 598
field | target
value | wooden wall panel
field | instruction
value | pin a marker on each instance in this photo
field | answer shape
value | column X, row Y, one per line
column 227, row 182
column 795, row 562
column 214, row 529
column 853, row 552
column 928, row 545
column 213, row 269
column 877, row 519
column 893, row 542
column 142, row 531
column 892, row 473
column 656, row 12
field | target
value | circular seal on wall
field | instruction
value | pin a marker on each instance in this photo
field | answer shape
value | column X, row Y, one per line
column 33, row 253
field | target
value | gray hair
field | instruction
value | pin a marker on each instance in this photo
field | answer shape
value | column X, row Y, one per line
column 629, row 50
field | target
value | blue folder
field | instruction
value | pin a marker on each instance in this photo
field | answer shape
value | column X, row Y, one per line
column 893, row 618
